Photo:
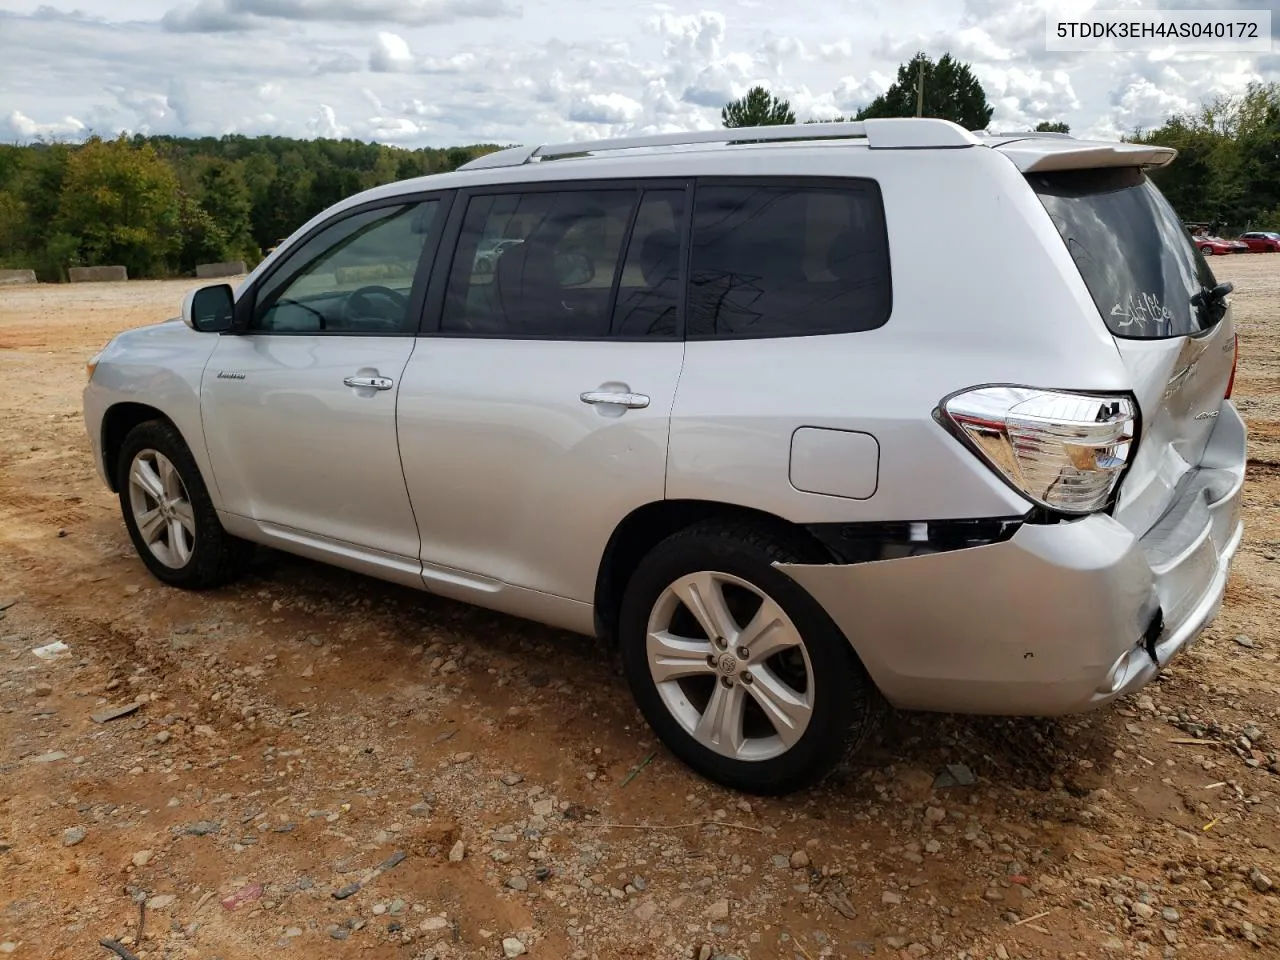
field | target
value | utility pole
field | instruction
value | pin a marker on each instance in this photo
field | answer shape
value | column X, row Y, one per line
column 920, row 91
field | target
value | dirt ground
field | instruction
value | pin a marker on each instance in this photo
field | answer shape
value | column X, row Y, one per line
column 327, row 766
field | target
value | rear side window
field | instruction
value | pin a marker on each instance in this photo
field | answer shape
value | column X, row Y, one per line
column 787, row 260
column 1144, row 272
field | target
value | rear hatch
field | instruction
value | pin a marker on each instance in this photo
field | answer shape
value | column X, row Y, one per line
column 1171, row 322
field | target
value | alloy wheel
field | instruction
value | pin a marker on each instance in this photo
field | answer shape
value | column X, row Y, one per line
column 730, row 666
column 161, row 508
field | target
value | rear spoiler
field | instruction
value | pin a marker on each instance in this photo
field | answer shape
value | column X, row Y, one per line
column 1040, row 154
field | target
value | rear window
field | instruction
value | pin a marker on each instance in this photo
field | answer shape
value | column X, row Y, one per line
column 1142, row 269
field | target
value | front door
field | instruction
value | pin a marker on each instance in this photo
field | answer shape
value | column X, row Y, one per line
column 299, row 408
column 536, row 418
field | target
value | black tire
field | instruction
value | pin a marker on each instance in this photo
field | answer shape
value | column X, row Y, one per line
column 216, row 557
column 845, row 702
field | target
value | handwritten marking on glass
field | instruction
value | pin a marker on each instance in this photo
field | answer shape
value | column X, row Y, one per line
column 1142, row 309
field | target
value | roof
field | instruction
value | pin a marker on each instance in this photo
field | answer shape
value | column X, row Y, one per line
column 1030, row 151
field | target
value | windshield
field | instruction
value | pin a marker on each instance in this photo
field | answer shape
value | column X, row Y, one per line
column 1145, row 274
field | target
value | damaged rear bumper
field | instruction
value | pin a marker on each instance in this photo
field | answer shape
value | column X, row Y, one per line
column 1057, row 619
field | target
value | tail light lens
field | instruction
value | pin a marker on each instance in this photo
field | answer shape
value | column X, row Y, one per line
column 1063, row 451
column 1235, row 359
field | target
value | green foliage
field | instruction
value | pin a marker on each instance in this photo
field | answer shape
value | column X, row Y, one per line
column 161, row 205
column 1228, row 167
column 758, row 108
column 951, row 92
column 121, row 200
column 1052, row 126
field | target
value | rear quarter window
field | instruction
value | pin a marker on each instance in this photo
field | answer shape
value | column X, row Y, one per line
column 1142, row 269
column 787, row 259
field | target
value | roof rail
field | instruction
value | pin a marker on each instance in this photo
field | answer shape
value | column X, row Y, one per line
column 1041, row 134
column 880, row 134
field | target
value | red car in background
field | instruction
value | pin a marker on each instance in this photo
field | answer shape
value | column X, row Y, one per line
column 1262, row 241
column 1216, row 245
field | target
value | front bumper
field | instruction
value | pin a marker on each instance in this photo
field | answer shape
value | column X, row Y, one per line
column 1059, row 619
column 93, row 405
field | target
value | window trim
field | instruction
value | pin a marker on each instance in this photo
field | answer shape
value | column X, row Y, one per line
column 799, row 182
column 246, row 303
column 433, row 307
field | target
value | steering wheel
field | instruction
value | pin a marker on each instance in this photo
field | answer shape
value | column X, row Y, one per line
column 359, row 304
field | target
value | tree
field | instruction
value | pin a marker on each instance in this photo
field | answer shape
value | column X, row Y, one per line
column 1052, row 126
column 1228, row 165
column 123, row 203
column 224, row 194
column 758, row 108
column 951, row 92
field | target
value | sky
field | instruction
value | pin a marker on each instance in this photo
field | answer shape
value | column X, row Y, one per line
column 451, row 72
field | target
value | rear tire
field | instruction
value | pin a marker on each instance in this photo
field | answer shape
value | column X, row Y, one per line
column 773, row 702
column 169, row 514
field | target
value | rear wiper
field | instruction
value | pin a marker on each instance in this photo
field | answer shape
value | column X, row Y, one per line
column 1215, row 295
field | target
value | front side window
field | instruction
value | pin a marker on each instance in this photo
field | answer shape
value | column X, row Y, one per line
column 354, row 276
column 1145, row 274
column 537, row 264
column 784, row 260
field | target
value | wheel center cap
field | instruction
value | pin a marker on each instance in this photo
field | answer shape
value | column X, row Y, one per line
column 727, row 664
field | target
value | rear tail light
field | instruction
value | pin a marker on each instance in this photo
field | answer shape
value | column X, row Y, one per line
column 1063, row 451
column 1235, row 359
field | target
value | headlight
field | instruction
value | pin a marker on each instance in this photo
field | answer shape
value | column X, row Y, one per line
column 92, row 365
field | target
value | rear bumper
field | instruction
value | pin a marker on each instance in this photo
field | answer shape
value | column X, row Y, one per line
column 1058, row 619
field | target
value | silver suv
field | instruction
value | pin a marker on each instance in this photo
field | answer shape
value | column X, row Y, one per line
column 801, row 417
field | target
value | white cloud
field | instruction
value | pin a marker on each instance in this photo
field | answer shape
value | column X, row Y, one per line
column 393, row 128
column 444, row 72
column 390, row 54
column 218, row 16
column 604, row 108
column 852, row 93
column 23, row 127
column 325, row 123
column 1022, row 97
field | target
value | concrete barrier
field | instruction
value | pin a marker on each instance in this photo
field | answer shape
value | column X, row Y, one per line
column 232, row 268
column 97, row 274
column 11, row 277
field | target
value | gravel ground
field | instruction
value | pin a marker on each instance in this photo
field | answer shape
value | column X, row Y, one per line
column 317, row 764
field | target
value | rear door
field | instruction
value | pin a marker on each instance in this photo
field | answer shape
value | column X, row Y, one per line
column 534, row 417
column 1155, row 292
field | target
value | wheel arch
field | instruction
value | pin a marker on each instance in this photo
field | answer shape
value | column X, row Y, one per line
column 118, row 420
column 648, row 525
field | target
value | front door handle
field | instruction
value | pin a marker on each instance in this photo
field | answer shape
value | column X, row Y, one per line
column 375, row 383
column 632, row 401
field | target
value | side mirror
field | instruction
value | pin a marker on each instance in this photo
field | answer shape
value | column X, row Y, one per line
column 210, row 309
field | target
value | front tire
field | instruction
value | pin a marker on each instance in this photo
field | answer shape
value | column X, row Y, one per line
column 169, row 514
column 736, row 667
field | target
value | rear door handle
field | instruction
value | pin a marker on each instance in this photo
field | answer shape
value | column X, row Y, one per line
column 375, row 383
column 632, row 401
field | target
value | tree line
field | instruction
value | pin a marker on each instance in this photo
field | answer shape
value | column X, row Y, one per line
column 161, row 205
